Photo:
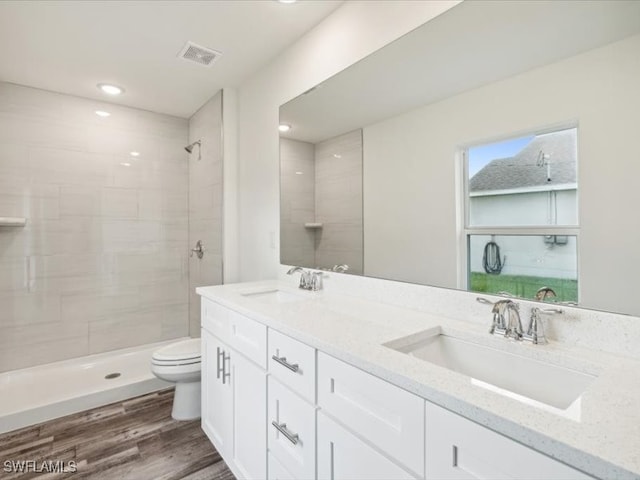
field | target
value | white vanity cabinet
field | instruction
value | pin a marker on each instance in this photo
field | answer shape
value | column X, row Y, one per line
column 278, row 409
column 342, row 455
column 291, row 407
column 390, row 418
column 459, row 449
column 234, row 389
column 217, row 394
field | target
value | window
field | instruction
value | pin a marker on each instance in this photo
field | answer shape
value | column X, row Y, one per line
column 521, row 215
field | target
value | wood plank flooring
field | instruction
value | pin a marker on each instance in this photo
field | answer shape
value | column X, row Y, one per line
column 132, row 440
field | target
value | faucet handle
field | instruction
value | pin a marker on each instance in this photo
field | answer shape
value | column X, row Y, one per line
column 486, row 301
column 535, row 330
column 514, row 325
column 315, row 281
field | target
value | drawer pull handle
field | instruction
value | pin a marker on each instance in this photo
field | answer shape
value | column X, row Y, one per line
column 283, row 361
column 282, row 428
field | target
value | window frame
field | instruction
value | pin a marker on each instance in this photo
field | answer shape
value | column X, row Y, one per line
column 465, row 229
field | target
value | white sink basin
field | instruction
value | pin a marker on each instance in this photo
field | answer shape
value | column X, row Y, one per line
column 273, row 296
column 530, row 381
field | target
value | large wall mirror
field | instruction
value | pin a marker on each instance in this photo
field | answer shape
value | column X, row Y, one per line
column 492, row 149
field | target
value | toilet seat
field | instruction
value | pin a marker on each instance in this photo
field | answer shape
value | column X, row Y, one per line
column 181, row 353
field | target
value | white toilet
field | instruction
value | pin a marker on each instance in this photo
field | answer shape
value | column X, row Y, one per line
column 180, row 363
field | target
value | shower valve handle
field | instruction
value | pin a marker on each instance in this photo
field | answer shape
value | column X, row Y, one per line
column 199, row 251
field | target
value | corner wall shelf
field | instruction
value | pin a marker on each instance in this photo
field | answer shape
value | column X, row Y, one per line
column 312, row 225
column 13, row 221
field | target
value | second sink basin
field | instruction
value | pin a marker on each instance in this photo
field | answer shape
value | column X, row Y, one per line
column 516, row 376
column 273, row 295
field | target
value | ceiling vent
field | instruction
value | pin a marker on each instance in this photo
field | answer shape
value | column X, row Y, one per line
column 200, row 55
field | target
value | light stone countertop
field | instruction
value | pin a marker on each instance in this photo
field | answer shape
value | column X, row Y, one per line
column 604, row 443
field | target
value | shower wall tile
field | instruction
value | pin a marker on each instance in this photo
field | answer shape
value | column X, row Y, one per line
column 297, row 203
column 338, row 173
column 43, row 200
column 29, row 308
column 79, row 307
column 34, row 344
column 158, row 203
column 205, row 203
column 102, row 262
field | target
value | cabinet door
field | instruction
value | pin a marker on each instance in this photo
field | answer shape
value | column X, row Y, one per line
column 390, row 418
column 292, row 431
column 217, row 394
column 459, row 449
column 249, row 417
column 276, row 471
column 341, row 455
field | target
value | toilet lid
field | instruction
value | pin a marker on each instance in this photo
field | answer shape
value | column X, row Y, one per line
column 185, row 350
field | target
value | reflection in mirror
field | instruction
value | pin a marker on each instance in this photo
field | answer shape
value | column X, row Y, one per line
column 520, row 265
column 527, row 69
column 530, row 181
column 321, row 203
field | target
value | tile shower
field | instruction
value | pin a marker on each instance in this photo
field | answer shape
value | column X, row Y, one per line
column 322, row 183
column 102, row 262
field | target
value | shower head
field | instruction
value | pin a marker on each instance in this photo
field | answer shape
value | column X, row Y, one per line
column 189, row 148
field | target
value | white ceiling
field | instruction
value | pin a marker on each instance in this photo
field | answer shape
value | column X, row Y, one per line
column 70, row 46
column 473, row 44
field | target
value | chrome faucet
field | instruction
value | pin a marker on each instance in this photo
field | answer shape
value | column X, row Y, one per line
column 506, row 318
column 535, row 330
column 506, row 321
column 308, row 280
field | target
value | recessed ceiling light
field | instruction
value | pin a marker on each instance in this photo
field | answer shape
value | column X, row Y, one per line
column 125, row 164
column 102, row 113
column 337, row 155
column 287, row 1
column 283, row 127
column 134, row 154
column 299, row 173
column 110, row 89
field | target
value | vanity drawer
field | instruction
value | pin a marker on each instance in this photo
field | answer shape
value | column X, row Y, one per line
column 296, row 448
column 243, row 334
column 248, row 337
column 457, row 448
column 293, row 363
column 387, row 416
column 215, row 319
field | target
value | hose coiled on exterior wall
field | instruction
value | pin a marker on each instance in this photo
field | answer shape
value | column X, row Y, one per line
column 491, row 260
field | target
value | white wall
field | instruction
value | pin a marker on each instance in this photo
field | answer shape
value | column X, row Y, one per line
column 102, row 262
column 411, row 183
column 353, row 31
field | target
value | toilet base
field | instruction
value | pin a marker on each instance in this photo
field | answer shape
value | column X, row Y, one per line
column 186, row 401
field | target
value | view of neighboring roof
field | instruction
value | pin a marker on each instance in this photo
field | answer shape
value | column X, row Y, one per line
column 549, row 159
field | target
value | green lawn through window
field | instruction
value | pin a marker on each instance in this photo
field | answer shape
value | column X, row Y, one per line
column 524, row 286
